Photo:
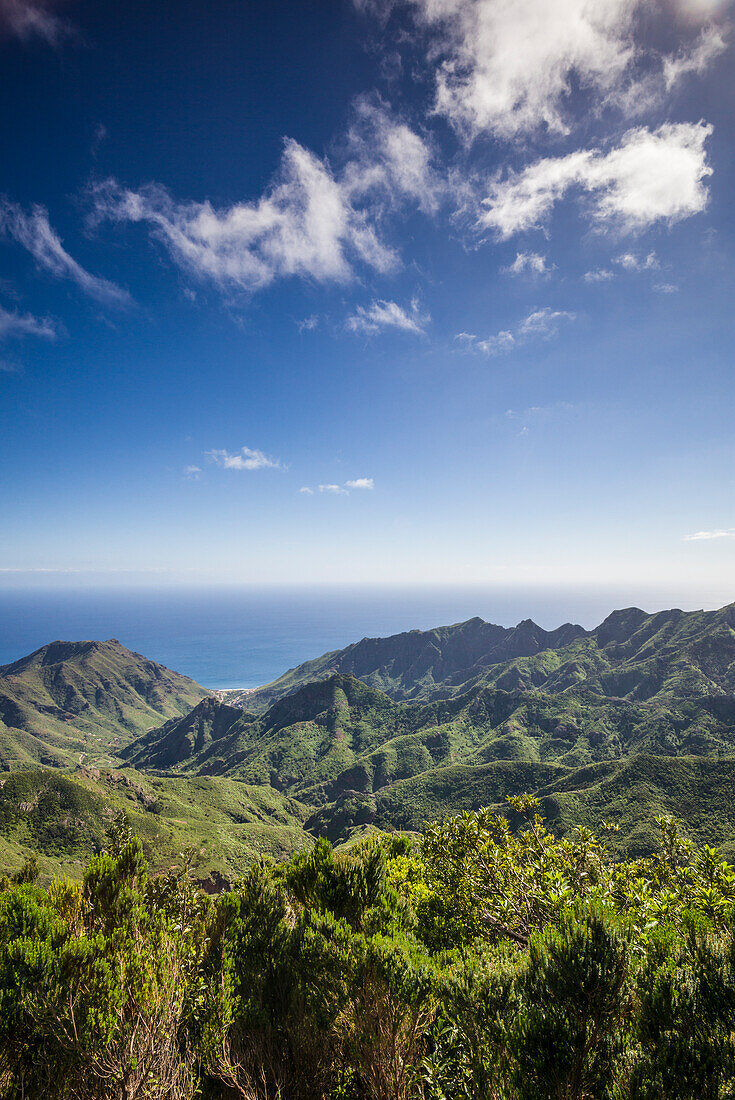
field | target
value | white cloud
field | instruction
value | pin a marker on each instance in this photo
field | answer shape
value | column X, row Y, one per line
column 24, row 324
column 511, row 67
column 192, row 473
column 507, row 67
column 308, row 324
column 599, row 275
column 651, row 176
column 381, row 314
column 25, row 19
column 244, row 459
column 699, row 536
column 312, row 221
column 33, row 231
column 304, row 225
column 665, row 288
column 542, row 324
column 633, row 262
column 531, row 263
column 359, row 483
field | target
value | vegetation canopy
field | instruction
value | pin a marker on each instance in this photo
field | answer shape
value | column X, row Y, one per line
column 485, row 962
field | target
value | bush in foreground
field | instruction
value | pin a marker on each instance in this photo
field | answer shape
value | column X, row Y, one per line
column 482, row 964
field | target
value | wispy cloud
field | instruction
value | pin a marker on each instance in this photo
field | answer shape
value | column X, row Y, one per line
column 701, row 536
column 665, row 288
column 33, row 231
column 541, row 324
column 192, row 473
column 631, row 261
column 336, row 490
column 695, row 59
column 389, row 160
column 599, row 275
column 308, row 324
column 26, row 19
column 651, row 176
column 24, row 324
column 382, row 314
column 314, row 221
column 244, row 459
column 333, row 489
column 528, row 263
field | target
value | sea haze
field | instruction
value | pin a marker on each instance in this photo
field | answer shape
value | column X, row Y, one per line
column 242, row 637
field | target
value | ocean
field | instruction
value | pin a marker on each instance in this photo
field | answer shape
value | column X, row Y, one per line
column 244, row 637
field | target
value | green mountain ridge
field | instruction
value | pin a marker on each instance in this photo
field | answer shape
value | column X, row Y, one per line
column 630, row 655
column 620, row 723
column 70, row 702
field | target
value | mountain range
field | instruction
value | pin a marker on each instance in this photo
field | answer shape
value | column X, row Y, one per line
column 633, row 718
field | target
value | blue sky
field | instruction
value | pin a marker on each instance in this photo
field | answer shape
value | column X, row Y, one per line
column 412, row 291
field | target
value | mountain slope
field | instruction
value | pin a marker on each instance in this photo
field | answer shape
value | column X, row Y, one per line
column 627, row 794
column 62, row 816
column 630, row 655
column 73, row 700
column 417, row 663
column 337, row 736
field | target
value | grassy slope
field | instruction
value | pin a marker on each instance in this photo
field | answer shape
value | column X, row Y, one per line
column 63, row 817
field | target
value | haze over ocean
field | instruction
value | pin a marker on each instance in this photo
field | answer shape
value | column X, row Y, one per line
column 244, row 637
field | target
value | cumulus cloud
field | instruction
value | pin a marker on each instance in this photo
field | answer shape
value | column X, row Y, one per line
column 244, row 459
column 700, row 536
column 530, row 263
column 33, row 231
column 361, row 483
column 381, row 315
column 24, row 324
column 509, row 69
column 26, row 19
column 304, row 225
column 485, row 81
column 541, row 324
column 651, row 176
